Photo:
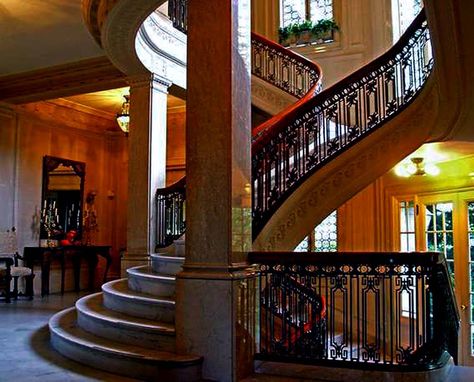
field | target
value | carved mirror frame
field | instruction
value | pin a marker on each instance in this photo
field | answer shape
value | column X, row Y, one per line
column 50, row 163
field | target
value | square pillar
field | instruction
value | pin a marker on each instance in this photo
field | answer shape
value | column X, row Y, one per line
column 147, row 164
column 218, row 209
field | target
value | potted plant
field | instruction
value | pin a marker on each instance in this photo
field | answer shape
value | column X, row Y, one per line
column 285, row 36
column 305, row 34
column 324, row 29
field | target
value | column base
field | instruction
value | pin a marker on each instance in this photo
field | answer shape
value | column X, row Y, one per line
column 216, row 318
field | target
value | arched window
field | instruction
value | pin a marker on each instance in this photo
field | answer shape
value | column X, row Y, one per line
column 298, row 11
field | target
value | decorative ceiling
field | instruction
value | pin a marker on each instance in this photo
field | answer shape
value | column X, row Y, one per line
column 110, row 101
column 41, row 33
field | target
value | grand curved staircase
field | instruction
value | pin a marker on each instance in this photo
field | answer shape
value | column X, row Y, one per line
column 317, row 147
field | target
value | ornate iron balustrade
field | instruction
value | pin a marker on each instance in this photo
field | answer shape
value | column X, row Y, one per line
column 294, row 144
column 170, row 213
column 389, row 311
column 178, row 14
column 272, row 63
column 312, row 134
column 284, row 69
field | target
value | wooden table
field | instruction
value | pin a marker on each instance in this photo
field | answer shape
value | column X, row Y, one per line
column 45, row 256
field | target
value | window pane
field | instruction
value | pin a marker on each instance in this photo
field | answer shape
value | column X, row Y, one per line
column 449, row 246
column 303, row 246
column 472, row 308
column 472, row 277
column 429, row 218
column 471, row 246
column 470, row 211
column 440, row 242
column 326, row 234
column 430, row 242
column 320, row 9
column 293, row 12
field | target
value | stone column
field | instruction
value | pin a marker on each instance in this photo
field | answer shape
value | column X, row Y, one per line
column 147, row 164
column 218, row 215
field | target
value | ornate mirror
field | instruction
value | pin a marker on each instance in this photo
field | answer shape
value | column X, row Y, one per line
column 62, row 196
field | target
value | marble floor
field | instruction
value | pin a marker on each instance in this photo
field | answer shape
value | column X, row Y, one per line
column 26, row 355
column 25, row 352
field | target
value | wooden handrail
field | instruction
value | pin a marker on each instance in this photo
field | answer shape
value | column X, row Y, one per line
column 331, row 258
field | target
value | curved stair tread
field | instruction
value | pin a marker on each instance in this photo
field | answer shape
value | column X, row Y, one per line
column 63, row 324
column 145, row 271
column 120, row 288
column 167, row 257
column 92, row 306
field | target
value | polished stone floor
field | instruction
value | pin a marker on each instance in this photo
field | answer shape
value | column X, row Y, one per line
column 26, row 355
column 25, row 352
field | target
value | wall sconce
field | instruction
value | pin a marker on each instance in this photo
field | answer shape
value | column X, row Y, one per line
column 123, row 118
column 416, row 166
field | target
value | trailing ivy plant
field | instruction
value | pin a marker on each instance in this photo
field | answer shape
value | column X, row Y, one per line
column 291, row 33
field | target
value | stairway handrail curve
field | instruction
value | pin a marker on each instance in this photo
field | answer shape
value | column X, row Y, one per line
column 311, row 135
column 341, row 85
column 274, row 178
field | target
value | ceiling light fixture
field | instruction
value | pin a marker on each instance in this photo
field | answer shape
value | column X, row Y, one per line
column 123, row 118
column 416, row 166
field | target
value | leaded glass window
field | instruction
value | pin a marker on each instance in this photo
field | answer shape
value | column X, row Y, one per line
column 323, row 238
column 297, row 11
column 403, row 13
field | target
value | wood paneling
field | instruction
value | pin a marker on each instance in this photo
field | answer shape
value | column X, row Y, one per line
column 40, row 133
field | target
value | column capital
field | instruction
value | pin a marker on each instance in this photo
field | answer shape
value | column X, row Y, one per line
column 149, row 80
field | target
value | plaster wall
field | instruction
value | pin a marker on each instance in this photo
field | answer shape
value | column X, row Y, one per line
column 365, row 33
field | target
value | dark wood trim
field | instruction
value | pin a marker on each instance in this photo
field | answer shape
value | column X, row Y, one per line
column 85, row 76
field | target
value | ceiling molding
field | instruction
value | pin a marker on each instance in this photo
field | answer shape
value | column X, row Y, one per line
column 84, row 109
column 58, row 114
column 85, row 76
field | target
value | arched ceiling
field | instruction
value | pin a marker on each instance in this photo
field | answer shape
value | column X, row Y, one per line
column 41, row 33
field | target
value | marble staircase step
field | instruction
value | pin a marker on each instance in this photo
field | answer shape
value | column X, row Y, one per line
column 133, row 361
column 165, row 264
column 118, row 297
column 143, row 279
column 176, row 249
column 179, row 247
column 95, row 318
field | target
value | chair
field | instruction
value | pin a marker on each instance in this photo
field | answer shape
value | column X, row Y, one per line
column 6, row 263
column 9, row 248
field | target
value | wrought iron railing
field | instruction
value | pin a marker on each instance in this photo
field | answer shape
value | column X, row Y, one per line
column 294, row 144
column 383, row 310
column 170, row 213
column 272, row 63
column 178, row 14
column 283, row 68
column 309, row 136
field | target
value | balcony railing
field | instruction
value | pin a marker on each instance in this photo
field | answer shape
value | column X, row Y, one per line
column 385, row 311
column 170, row 213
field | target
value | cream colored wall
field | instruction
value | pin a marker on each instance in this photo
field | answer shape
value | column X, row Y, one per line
column 176, row 145
column 365, row 33
column 29, row 132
